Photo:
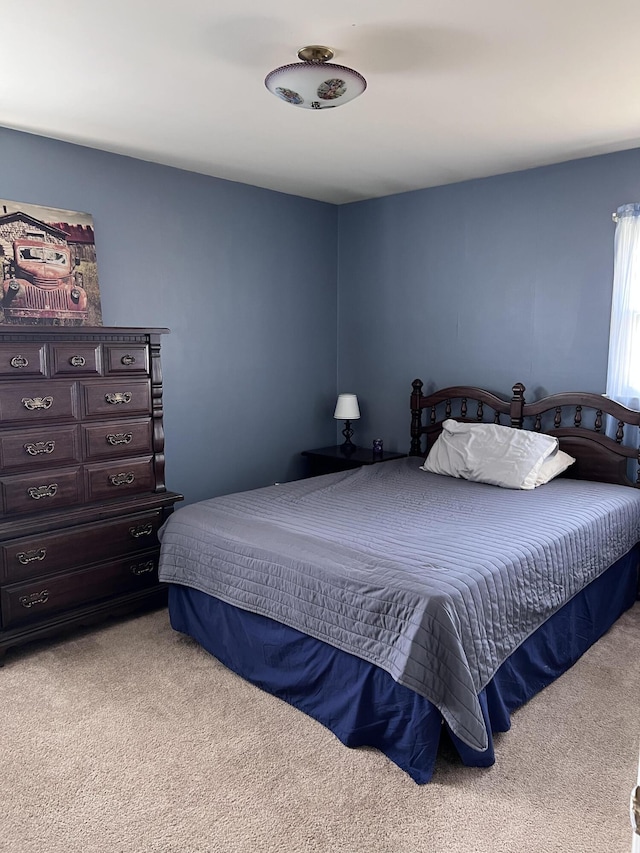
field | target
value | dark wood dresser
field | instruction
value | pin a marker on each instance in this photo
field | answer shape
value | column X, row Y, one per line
column 82, row 488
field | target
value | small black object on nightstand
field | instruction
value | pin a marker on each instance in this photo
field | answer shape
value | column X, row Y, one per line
column 329, row 460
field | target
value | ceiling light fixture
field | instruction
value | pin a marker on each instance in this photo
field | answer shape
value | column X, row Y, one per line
column 313, row 85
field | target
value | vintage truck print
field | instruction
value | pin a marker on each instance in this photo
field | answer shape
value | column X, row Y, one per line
column 41, row 283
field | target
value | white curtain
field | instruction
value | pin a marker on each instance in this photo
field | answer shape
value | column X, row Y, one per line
column 623, row 371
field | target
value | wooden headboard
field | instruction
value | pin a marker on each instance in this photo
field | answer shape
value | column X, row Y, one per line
column 578, row 420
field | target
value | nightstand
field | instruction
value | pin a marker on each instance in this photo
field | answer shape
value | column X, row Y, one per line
column 329, row 460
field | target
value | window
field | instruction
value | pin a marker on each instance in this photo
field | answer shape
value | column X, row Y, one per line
column 623, row 371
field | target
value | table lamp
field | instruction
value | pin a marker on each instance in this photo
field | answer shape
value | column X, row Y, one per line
column 347, row 410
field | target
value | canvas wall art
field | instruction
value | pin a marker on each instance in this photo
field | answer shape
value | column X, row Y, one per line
column 49, row 269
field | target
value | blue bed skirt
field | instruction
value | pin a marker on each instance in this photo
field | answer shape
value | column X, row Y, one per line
column 361, row 704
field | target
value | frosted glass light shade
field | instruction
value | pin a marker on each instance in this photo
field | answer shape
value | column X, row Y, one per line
column 347, row 408
column 315, row 85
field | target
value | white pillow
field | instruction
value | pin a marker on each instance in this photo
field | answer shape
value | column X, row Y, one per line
column 553, row 465
column 489, row 453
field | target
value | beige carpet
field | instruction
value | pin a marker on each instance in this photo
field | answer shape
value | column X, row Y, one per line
column 130, row 738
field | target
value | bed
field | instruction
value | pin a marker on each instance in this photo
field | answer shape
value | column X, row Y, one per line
column 398, row 606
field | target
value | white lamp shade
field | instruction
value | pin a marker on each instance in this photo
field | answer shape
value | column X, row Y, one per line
column 315, row 85
column 347, row 408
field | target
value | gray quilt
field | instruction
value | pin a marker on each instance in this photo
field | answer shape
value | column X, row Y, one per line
column 433, row 579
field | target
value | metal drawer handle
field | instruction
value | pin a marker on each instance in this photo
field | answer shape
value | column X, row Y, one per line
column 142, row 568
column 77, row 361
column 37, row 492
column 26, row 557
column 40, row 447
column 119, row 438
column 141, row 530
column 34, row 598
column 32, row 403
column 118, row 397
column 19, row 361
column 122, row 479
column 127, row 360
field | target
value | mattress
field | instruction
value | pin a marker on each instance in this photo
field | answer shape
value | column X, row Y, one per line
column 434, row 580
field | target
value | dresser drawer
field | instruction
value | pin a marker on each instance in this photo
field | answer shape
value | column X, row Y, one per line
column 76, row 359
column 127, row 359
column 22, row 359
column 116, row 398
column 34, row 449
column 41, row 492
column 48, row 553
column 28, row 602
column 106, row 480
column 111, row 439
column 33, row 401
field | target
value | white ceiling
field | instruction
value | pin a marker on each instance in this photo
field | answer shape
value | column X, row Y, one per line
column 456, row 90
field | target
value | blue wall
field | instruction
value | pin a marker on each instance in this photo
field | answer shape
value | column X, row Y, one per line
column 242, row 277
column 487, row 282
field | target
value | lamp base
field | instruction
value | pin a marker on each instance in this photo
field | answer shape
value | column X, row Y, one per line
column 348, row 446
